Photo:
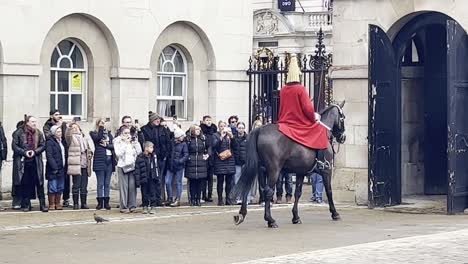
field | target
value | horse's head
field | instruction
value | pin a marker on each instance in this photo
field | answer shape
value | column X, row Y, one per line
column 334, row 118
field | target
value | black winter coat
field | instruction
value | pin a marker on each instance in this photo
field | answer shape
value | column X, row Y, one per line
column 100, row 156
column 227, row 166
column 209, row 132
column 196, row 166
column 160, row 137
column 19, row 154
column 178, row 157
column 240, row 150
column 3, row 146
column 146, row 168
column 54, row 166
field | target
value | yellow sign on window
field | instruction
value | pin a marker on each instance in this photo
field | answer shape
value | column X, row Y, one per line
column 76, row 81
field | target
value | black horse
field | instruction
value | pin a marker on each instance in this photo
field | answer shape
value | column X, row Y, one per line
column 268, row 148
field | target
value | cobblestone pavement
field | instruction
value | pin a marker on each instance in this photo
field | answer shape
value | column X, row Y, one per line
column 448, row 247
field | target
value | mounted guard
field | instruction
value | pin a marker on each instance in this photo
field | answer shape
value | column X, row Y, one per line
column 297, row 119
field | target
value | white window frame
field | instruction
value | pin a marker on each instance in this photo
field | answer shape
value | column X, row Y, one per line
column 84, row 81
column 183, row 75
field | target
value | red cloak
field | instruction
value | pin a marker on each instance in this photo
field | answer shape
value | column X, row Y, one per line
column 296, row 118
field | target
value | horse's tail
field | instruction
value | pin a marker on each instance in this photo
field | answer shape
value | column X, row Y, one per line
column 249, row 170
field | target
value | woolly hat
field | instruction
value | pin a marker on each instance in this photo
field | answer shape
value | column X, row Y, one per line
column 53, row 129
column 178, row 133
column 153, row 117
column 294, row 73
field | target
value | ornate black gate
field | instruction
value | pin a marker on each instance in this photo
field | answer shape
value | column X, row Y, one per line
column 267, row 74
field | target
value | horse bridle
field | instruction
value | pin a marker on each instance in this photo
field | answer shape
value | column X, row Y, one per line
column 339, row 133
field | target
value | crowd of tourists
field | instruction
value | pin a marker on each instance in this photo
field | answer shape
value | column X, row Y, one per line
column 154, row 158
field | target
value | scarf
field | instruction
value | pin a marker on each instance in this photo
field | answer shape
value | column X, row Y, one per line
column 80, row 139
column 30, row 138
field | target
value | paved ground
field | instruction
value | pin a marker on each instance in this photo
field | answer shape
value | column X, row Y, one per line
column 208, row 235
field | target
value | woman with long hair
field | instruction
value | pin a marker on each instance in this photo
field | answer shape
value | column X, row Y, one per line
column 80, row 157
column 127, row 148
column 103, row 162
column 196, row 169
column 224, row 164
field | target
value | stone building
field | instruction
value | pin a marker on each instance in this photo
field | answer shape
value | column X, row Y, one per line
column 291, row 31
column 401, row 66
column 111, row 58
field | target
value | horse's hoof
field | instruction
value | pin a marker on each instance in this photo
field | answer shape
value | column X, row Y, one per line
column 272, row 225
column 238, row 219
column 297, row 221
column 336, row 217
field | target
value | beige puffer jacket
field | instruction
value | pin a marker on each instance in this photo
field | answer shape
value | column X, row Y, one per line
column 74, row 154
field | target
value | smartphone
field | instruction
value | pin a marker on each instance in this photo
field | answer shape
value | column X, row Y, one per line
column 136, row 121
column 76, row 119
column 107, row 119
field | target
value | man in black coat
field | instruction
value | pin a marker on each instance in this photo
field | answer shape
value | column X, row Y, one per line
column 160, row 137
column 3, row 150
column 56, row 119
column 28, row 168
column 208, row 129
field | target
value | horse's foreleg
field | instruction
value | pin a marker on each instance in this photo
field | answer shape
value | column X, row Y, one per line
column 238, row 219
column 326, row 175
column 297, row 196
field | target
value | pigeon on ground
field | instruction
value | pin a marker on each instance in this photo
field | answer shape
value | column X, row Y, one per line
column 99, row 219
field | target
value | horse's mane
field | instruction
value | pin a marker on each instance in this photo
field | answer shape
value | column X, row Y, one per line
column 326, row 109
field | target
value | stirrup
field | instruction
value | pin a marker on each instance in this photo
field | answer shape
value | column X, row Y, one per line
column 323, row 165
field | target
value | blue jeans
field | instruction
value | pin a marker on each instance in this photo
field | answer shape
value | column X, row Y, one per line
column 104, row 179
column 285, row 178
column 317, row 181
column 57, row 185
column 178, row 178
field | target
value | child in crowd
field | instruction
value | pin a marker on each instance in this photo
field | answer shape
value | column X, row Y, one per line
column 147, row 177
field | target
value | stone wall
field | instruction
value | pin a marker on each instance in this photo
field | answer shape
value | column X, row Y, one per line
column 351, row 20
column 122, row 42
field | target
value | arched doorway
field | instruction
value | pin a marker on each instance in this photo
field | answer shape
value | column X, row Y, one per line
column 417, row 85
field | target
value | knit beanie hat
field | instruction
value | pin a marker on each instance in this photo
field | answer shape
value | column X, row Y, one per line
column 178, row 133
column 53, row 129
column 153, row 117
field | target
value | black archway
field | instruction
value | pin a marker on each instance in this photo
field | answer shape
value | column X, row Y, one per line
column 444, row 76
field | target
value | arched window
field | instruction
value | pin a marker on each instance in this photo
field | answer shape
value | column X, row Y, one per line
column 172, row 83
column 68, row 79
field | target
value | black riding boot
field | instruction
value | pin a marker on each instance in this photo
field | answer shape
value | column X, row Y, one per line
column 84, row 203
column 106, row 203
column 220, row 200
column 76, row 204
column 43, row 206
column 100, row 204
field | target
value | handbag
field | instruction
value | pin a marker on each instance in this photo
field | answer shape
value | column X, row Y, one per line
column 129, row 161
column 225, row 154
column 128, row 168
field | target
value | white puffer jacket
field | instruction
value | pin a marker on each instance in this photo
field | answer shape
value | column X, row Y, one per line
column 126, row 152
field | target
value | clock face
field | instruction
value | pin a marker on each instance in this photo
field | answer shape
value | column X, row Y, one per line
column 287, row 5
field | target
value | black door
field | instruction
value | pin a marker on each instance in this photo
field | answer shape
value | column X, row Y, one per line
column 384, row 121
column 457, row 107
column 435, row 110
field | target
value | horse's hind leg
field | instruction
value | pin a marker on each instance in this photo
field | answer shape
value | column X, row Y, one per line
column 326, row 175
column 268, row 194
column 297, row 195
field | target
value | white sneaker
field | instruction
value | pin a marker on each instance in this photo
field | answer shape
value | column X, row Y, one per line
column 152, row 210
column 145, row 210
